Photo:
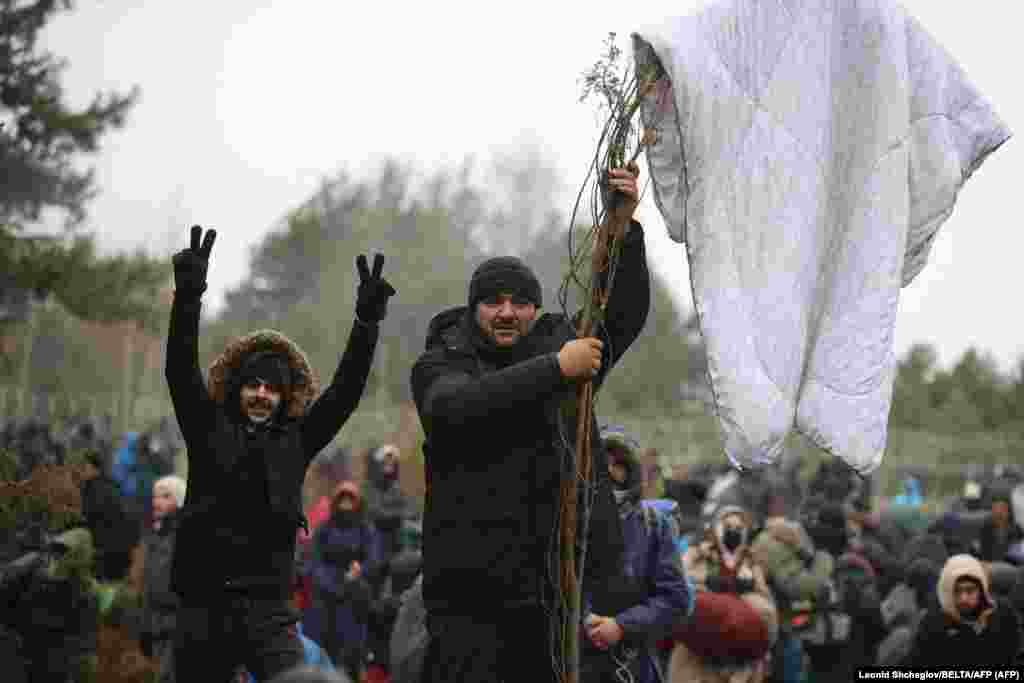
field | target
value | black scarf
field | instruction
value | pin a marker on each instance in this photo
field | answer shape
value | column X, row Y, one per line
column 529, row 345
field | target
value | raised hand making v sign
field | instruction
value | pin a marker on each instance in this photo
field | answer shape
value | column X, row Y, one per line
column 190, row 264
column 374, row 291
column 251, row 426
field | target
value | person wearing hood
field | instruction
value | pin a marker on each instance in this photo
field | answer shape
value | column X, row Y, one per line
column 250, row 434
column 346, row 556
column 489, row 390
column 159, row 604
column 798, row 575
column 722, row 563
column 652, row 596
column 54, row 609
column 904, row 608
column 857, row 585
column 386, row 505
column 968, row 627
column 108, row 516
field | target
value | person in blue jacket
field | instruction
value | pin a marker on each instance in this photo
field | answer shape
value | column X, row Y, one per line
column 652, row 595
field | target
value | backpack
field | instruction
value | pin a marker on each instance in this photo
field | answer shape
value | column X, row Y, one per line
column 823, row 622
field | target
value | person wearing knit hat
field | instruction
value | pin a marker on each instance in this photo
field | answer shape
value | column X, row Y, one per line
column 489, row 389
column 251, row 428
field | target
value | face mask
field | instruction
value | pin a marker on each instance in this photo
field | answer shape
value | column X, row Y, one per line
column 732, row 538
column 971, row 614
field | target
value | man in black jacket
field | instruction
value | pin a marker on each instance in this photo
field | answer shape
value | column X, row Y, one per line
column 250, row 436
column 489, row 390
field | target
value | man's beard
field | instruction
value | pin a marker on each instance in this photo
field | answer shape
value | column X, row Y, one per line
column 510, row 329
column 268, row 410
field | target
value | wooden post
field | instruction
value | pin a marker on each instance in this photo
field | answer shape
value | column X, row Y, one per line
column 612, row 228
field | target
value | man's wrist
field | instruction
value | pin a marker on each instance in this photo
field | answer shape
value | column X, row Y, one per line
column 189, row 292
column 363, row 323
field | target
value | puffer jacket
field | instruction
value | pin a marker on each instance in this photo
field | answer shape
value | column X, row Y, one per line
column 238, row 525
column 386, row 505
column 160, row 604
column 796, row 572
column 494, row 455
column 944, row 639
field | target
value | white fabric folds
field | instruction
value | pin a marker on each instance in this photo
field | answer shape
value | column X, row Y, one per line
column 807, row 152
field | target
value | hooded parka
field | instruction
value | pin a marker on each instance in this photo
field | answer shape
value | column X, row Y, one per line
column 238, row 526
column 945, row 639
column 494, row 455
column 337, row 618
column 653, row 595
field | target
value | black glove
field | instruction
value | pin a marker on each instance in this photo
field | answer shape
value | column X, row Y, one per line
column 190, row 264
column 374, row 291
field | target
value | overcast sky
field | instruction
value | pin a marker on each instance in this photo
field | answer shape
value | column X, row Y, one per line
column 246, row 105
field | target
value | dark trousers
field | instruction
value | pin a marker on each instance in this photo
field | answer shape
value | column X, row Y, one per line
column 503, row 645
column 213, row 639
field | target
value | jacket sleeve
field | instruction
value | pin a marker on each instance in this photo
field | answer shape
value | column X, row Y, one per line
column 629, row 302
column 927, row 640
column 375, row 566
column 325, row 575
column 448, row 395
column 193, row 406
column 671, row 599
column 334, row 406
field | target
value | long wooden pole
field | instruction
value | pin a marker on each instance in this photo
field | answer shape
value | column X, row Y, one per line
column 612, row 228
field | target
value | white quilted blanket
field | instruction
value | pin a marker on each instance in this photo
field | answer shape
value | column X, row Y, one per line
column 807, row 152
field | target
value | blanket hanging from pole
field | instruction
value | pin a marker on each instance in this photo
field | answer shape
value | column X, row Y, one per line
column 807, row 152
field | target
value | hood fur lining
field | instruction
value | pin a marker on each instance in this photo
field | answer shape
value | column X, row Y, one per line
column 303, row 391
column 957, row 567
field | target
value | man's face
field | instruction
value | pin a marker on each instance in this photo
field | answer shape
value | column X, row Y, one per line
column 346, row 504
column 163, row 503
column 967, row 595
column 505, row 318
column 260, row 400
column 1000, row 513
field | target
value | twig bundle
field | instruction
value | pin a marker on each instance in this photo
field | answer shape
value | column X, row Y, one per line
column 621, row 92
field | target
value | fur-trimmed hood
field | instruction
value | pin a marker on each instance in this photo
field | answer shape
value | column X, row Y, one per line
column 305, row 385
column 957, row 567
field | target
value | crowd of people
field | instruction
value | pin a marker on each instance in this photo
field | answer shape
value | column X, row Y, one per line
column 726, row 579
column 233, row 574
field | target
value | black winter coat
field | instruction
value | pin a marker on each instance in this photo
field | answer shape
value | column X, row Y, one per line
column 494, row 458
column 160, row 605
column 243, row 508
column 942, row 642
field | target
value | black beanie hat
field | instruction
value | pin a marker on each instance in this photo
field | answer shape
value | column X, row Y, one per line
column 268, row 366
column 504, row 274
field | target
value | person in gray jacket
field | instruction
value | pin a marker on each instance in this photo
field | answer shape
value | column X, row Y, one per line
column 159, row 603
